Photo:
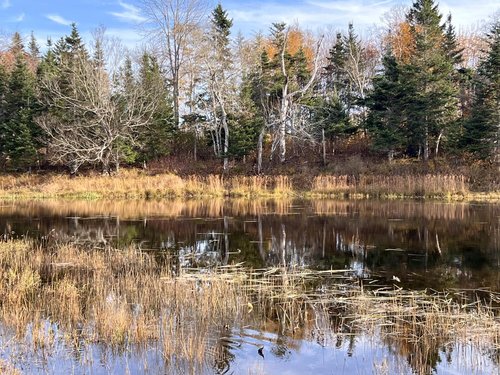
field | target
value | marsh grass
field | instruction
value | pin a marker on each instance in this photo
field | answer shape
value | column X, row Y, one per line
column 139, row 184
column 127, row 299
column 431, row 186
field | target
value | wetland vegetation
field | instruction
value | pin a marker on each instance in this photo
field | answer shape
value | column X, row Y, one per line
column 249, row 286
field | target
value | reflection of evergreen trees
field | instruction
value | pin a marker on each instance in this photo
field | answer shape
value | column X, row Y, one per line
column 433, row 244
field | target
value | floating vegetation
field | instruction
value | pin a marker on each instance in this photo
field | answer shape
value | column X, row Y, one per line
column 63, row 295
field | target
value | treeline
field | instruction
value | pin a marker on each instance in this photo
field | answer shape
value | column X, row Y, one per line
column 412, row 92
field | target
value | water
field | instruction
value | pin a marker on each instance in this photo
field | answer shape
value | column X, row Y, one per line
column 425, row 245
column 414, row 245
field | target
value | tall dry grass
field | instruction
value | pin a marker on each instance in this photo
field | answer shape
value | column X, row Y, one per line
column 392, row 186
column 139, row 184
column 126, row 298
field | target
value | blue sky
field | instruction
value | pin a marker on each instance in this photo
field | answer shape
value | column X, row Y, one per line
column 51, row 18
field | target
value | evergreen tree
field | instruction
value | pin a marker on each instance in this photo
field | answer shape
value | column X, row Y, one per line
column 34, row 50
column 221, row 89
column 18, row 131
column 450, row 43
column 3, row 105
column 353, row 61
column 156, row 138
column 98, row 56
column 221, row 30
column 482, row 130
column 335, row 76
column 16, row 45
column 430, row 84
column 385, row 120
column 245, row 131
column 75, row 43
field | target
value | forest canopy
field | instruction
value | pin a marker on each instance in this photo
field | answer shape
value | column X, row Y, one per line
column 415, row 89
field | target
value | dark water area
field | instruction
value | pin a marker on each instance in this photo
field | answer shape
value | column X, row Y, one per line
column 409, row 244
column 414, row 244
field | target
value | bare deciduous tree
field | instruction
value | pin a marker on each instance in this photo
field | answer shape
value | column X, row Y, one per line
column 170, row 25
column 91, row 122
column 289, row 96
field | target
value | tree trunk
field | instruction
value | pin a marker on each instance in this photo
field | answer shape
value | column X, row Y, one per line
column 117, row 162
column 438, row 141
column 282, row 124
column 259, row 150
column 323, row 142
column 426, row 143
column 106, row 162
column 195, row 145
column 226, row 138
column 175, row 97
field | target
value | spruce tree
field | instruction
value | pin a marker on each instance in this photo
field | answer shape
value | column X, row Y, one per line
column 16, row 45
column 34, row 50
column 155, row 139
column 429, row 80
column 386, row 120
column 18, row 130
column 482, row 130
column 335, row 76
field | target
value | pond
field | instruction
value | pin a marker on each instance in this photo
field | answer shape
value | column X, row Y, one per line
column 397, row 245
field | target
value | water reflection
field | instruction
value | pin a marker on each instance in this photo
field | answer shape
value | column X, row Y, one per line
column 422, row 244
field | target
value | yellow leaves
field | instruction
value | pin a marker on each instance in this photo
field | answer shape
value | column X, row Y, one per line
column 402, row 42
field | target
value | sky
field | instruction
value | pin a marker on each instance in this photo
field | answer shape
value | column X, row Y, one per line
column 122, row 18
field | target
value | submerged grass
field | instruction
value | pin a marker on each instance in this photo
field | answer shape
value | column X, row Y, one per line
column 139, row 184
column 83, row 296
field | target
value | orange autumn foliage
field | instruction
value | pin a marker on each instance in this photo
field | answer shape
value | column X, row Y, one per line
column 402, row 42
column 296, row 40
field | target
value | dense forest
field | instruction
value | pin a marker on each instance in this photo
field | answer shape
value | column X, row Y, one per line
column 413, row 90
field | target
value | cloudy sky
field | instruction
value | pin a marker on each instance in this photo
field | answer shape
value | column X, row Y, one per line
column 51, row 18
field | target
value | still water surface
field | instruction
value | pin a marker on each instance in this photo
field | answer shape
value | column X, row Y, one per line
column 414, row 245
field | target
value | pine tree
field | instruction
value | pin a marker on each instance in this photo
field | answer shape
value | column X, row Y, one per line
column 482, row 130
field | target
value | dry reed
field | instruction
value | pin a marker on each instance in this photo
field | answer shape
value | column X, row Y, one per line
column 139, row 184
column 126, row 297
column 449, row 186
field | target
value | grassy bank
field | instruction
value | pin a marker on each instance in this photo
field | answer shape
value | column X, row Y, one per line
column 138, row 184
column 66, row 294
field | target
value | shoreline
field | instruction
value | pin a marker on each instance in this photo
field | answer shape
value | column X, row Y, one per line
column 137, row 184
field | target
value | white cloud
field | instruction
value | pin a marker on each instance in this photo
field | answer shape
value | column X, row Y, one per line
column 321, row 14
column 310, row 14
column 58, row 19
column 5, row 4
column 129, row 13
column 19, row 18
